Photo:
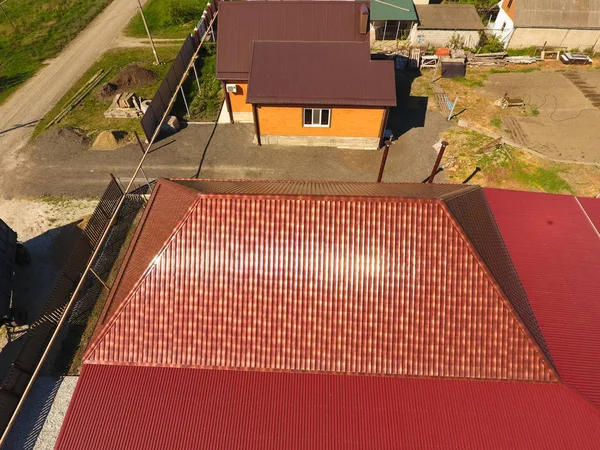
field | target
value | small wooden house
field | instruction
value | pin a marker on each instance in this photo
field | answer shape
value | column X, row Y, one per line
column 302, row 73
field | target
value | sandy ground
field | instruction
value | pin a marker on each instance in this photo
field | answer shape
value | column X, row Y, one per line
column 43, row 413
column 19, row 114
column 567, row 124
column 48, row 230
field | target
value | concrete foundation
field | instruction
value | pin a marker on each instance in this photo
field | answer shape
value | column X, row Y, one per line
column 321, row 141
column 240, row 117
column 553, row 37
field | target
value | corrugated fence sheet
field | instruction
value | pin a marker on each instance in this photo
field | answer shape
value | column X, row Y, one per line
column 118, row 407
column 160, row 102
column 340, row 285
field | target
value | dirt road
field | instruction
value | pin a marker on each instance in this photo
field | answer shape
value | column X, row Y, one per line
column 19, row 114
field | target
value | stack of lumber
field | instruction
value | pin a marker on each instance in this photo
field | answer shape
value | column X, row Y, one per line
column 523, row 59
column 487, row 59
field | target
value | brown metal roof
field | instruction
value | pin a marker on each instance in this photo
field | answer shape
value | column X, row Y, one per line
column 319, row 73
column 378, row 285
column 448, row 17
column 242, row 23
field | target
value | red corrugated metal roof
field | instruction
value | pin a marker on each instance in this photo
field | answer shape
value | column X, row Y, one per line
column 165, row 208
column 319, row 73
column 117, row 407
column 359, row 285
column 242, row 23
column 591, row 207
column 556, row 251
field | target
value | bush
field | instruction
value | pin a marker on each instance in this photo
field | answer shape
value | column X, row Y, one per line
column 490, row 43
column 179, row 12
column 455, row 41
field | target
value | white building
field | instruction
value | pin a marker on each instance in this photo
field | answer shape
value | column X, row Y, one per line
column 553, row 23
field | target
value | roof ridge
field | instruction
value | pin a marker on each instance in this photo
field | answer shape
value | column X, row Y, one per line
column 505, row 300
column 108, row 325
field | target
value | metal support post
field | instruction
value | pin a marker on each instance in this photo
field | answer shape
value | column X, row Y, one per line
column 435, row 70
column 141, row 168
column 386, row 149
column 196, row 75
column 184, row 100
column 437, row 161
column 452, row 109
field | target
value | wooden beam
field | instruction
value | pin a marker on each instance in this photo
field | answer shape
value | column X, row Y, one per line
column 227, row 101
column 256, row 124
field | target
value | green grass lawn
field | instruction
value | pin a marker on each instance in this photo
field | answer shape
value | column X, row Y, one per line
column 167, row 19
column 88, row 116
column 43, row 29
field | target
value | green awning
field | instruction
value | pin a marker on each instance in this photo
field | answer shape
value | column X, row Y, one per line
column 393, row 10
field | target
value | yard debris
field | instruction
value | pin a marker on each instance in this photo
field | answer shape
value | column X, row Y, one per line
column 125, row 106
column 487, row 59
column 523, row 59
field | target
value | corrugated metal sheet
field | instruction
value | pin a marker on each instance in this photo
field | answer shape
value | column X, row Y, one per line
column 116, row 407
column 557, row 14
column 164, row 211
column 448, row 17
column 556, row 252
column 267, row 188
column 242, row 23
column 319, row 73
column 591, row 207
column 342, row 285
column 473, row 213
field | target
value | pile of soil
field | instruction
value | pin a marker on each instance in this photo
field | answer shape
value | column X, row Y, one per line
column 109, row 140
column 133, row 76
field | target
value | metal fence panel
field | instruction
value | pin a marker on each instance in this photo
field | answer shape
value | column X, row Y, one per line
column 160, row 101
column 38, row 336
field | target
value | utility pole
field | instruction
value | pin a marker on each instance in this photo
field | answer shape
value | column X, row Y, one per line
column 148, row 32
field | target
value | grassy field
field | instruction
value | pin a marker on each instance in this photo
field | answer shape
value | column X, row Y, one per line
column 167, row 19
column 42, row 30
column 88, row 116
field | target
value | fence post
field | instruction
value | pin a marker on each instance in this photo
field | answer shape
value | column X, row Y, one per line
column 452, row 110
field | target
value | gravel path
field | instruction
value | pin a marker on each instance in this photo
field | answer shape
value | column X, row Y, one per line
column 20, row 113
column 42, row 415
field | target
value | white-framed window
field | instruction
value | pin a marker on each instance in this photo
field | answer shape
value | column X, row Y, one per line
column 316, row 117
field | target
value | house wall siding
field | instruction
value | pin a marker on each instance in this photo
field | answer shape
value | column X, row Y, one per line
column 441, row 38
column 503, row 33
column 238, row 100
column 510, row 11
column 345, row 122
column 553, row 37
